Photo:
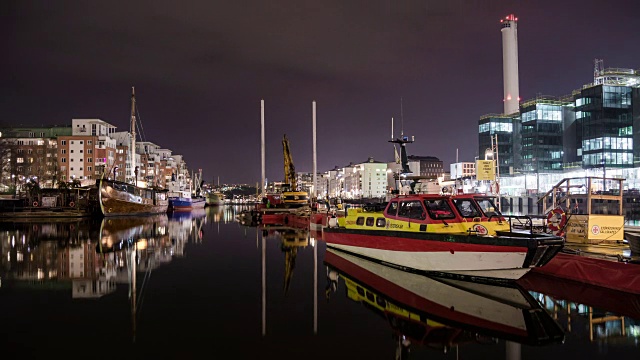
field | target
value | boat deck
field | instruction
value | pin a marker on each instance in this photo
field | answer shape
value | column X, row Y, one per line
column 619, row 252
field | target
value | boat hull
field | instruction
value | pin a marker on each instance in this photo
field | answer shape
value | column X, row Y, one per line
column 215, row 199
column 504, row 258
column 599, row 271
column 180, row 204
column 114, row 200
column 198, row 203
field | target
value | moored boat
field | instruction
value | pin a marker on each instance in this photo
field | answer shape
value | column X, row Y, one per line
column 198, row 202
column 215, row 198
column 633, row 238
column 117, row 198
column 179, row 201
column 461, row 235
column 594, row 251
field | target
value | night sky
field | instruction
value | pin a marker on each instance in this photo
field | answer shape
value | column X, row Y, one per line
column 200, row 69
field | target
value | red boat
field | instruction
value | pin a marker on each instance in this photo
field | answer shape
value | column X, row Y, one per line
column 460, row 235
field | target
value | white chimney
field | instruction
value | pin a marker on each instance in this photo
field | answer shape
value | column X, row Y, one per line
column 509, row 29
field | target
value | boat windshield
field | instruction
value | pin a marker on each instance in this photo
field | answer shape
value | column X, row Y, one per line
column 488, row 207
column 467, row 208
column 439, row 209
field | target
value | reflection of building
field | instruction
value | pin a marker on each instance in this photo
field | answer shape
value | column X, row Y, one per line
column 77, row 254
column 597, row 324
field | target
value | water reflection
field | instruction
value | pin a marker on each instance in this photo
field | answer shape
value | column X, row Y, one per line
column 88, row 254
column 290, row 240
column 587, row 311
column 440, row 313
column 141, row 278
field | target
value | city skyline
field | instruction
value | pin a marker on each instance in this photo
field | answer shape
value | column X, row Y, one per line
column 200, row 72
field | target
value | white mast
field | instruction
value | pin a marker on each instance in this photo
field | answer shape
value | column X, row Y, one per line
column 262, row 143
column 133, row 136
column 315, row 171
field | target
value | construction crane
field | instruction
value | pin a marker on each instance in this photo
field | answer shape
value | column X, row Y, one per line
column 291, row 197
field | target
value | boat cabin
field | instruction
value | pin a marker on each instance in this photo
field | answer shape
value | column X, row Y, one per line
column 463, row 213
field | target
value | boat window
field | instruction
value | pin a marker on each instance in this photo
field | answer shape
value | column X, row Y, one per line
column 392, row 210
column 380, row 222
column 439, row 209
column 411, row 209
column 369, row 296
column 466, row 208
column 487, row 206
column 370, row 221
column 360, row 221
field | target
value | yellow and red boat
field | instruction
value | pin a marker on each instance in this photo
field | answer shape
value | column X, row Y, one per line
column 461, row 235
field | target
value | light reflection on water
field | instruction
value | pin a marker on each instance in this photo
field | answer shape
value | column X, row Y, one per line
column 205, row 282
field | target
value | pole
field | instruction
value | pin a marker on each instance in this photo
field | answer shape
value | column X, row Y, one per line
column 264, row 285
column 262, row 143
column 497, row 160
column 133, row 135
column 315, row 171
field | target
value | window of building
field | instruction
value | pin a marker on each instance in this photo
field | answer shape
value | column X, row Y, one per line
column 63, row 142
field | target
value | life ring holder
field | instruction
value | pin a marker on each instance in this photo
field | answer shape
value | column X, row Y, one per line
column 556, row 220
column 35, row 204
column 495, row 188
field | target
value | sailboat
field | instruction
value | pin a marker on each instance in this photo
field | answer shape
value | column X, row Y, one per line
column 118, row 198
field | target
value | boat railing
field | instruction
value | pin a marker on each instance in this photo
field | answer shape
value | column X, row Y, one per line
column 524, row 223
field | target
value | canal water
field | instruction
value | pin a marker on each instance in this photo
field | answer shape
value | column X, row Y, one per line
column 200, row 285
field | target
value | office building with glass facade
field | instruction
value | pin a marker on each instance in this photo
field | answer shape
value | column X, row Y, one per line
column 592, row 130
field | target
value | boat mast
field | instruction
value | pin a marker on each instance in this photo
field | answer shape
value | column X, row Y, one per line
column 262, row 148
column 315, row 171
column 133, row 136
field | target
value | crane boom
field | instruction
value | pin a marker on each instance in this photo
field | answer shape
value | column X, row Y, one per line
column 291, row 196
column 289, row 168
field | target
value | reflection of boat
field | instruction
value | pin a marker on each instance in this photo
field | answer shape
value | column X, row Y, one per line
column 462, row 235
column 130, row 245
column 120, row 232
column 441, row 313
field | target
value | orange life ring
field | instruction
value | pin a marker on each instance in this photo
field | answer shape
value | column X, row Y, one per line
column 556, row 220
column 72, row 204
column 495, row 188
column 35, row 204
